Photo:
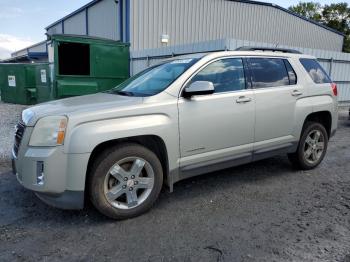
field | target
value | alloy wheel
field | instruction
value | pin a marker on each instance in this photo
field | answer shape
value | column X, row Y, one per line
column 314, row 146
column 129, row 182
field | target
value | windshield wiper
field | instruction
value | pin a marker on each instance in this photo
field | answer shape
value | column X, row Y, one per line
column 124, row 93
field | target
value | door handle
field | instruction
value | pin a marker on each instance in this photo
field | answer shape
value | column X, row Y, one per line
column 243, row 99
column 296, row 93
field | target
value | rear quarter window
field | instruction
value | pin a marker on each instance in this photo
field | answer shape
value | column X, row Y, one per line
column 315, row 71
column 291, row 73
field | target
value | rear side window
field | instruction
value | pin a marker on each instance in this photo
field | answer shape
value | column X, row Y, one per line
column 315, row 70
column 268, row 72
column 291, row 73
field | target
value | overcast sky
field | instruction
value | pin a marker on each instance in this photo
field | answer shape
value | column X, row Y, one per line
column 22, row 22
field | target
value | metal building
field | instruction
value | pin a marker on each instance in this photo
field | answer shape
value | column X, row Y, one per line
column 162, row 28
column 33, row 53
column 149, row 24
column 158, row 23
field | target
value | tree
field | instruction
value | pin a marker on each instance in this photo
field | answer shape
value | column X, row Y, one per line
column 346, row 47
column 309, row 10
column 336, row 16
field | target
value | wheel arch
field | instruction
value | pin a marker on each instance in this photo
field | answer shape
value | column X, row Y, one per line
column 152, row 142
column 322, row 117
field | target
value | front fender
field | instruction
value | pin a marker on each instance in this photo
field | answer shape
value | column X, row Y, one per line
column 84, row 137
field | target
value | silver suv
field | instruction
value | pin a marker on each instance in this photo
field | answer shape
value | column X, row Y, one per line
column 184, row 117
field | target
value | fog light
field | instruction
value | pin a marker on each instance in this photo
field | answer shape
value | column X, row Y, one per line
column 40, row 173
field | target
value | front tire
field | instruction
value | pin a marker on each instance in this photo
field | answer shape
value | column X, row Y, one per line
column 312, row 147
column 125, row 181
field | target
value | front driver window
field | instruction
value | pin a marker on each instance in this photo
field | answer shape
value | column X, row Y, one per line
column 226, row 75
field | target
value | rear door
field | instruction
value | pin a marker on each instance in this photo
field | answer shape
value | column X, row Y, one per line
column 274, row 83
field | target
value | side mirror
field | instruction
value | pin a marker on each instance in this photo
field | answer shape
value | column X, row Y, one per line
column 199, row 88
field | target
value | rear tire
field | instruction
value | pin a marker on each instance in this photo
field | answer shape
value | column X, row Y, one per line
column 125, row 181
column 312, row 147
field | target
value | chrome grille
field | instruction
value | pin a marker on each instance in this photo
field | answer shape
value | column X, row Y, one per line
column 19, row 131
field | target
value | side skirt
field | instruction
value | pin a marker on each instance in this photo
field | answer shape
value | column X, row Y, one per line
column 274, row 151
column 228, row 162
column 214, row 165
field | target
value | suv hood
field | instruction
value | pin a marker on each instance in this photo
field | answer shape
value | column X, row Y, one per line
column 85, row 103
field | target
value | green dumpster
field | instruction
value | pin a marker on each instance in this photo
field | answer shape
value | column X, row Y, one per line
column 1, row 81
column 86, row 65
column 43, row 76
column 77, row 65
column 17, row 82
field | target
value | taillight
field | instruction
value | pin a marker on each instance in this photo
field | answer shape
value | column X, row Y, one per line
column 334, row 89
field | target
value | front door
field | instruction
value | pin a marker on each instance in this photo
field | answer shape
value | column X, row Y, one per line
column 218, row 127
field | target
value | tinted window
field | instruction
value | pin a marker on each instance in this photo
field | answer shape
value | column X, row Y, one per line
column 226, row 75
column 291, row 74
column 316, row 72
column 268, row 72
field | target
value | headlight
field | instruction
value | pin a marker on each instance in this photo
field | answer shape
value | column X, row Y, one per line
column 27, row 116
column 49, row 131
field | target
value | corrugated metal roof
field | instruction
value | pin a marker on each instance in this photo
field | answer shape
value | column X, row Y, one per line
column 29, row 47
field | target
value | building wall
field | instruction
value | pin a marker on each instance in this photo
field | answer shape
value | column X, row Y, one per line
column 100, row 19
column 76, row 25
column 55, row 29
column 103, row 20
column 37, row 48
column 201, row 20
column 188, row 21
column 20, row 53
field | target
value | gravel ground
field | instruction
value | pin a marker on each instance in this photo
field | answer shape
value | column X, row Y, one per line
column 10, row 114
column 264, row 211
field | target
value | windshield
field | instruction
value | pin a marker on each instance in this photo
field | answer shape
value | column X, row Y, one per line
column 154, row 79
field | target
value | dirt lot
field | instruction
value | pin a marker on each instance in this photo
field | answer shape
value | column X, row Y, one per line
column 9, row 117
column 264, row 211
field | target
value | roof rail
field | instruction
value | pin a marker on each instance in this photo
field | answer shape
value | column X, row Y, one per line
column 272, row 49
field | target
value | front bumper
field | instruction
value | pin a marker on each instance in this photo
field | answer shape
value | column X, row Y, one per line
column 47, row 162
column 62, row 176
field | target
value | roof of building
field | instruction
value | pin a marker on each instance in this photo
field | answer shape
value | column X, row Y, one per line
column 28, row 47
column 242, row 1
column 30, row 57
